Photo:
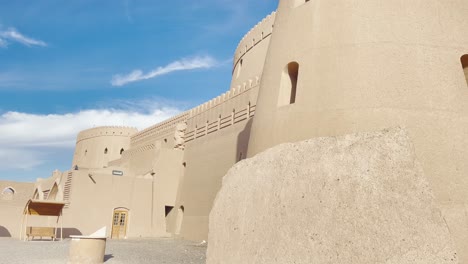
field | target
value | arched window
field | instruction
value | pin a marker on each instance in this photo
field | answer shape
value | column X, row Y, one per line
column 464, row 62
column 288, row 85
column 8, row 193
column 105, row 151
column 121, row 151
column 85, row 152
column 53, row 194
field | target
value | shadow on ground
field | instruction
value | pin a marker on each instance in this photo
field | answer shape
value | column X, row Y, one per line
column 107, row 257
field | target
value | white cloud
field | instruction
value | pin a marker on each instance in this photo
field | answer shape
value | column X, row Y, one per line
column 29, row 141
column 11, row 34
column 179, row 65
column 24, row 130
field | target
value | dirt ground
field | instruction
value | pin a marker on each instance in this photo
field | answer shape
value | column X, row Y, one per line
column 170, row 251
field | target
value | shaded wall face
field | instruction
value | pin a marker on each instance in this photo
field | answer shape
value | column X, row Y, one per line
column 166, row 181
column 369, row 65
column 206, row 162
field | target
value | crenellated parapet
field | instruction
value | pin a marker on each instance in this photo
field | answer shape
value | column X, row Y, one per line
column 257, row 34
column 226, row 97
column 232, row 107
column 159, row 131
column 106, row 131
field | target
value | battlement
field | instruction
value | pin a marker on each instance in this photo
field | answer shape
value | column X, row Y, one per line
column 225, row 97
column 106, row 131
column 167, row 127
column 230, row 108
column 158, row 130
column 258, row 33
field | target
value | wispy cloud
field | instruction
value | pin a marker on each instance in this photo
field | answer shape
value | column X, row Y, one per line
column 185, row 64
column 13, row 35
column 60, row 130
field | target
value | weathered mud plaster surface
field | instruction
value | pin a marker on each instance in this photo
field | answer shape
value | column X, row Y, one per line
column 360, row 198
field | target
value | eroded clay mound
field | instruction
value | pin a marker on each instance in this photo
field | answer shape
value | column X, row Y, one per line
column 359, row 198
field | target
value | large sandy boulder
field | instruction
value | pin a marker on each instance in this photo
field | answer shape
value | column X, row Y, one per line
column 359, row 198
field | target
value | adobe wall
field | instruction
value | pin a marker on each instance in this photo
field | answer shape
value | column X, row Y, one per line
column 91, row 145
column 167, row 178
column 94, row 198
column 12, row 206
column 163, row 131
column 365, row 66
column 216, row 138
column 140, row 160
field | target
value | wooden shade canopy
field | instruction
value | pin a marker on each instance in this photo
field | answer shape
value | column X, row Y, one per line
column 43, row 208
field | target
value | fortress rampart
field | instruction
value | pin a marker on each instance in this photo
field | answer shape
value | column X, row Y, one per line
column 223, row 111
column 160, row 131
column 233, row 103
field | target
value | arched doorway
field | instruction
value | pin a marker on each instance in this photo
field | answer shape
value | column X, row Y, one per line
column 119, row 223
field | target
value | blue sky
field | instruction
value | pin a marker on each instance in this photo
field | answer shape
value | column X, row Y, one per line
column 70, row 65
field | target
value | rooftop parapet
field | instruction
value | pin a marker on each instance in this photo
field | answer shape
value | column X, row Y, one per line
column 106, row 131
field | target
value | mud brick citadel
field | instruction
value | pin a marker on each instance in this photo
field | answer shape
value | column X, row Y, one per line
column 313, row 68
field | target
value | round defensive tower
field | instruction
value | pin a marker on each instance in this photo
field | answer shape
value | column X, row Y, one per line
column 250, row 54
column 95, row 147
column 338, row 67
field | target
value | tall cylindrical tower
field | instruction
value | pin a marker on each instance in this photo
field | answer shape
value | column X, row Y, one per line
column 95, row 147
column 249, row 56
column 337, row 67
